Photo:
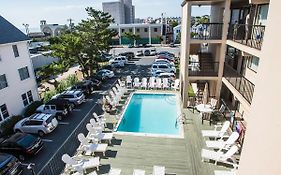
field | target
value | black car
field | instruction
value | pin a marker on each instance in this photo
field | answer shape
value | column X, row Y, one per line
column 129, row 55
column 9, row 165
column 58, row 107
column 86, row 86
column 146, row 53
column 21, row 145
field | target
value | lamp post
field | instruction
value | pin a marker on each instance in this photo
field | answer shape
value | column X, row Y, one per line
column 26, row 26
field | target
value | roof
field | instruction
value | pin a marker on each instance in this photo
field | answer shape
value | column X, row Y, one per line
column 9, row 33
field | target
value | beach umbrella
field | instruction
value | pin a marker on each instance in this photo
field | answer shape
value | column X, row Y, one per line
column 205, row 94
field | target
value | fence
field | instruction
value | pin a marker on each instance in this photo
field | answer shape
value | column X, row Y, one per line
column 203, row 68
column 207, row 31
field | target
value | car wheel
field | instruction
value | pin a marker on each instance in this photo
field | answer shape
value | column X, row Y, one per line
column 21, row 157
column 41, row 133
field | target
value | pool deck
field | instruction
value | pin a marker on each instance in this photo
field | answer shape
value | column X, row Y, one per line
column 179, row 156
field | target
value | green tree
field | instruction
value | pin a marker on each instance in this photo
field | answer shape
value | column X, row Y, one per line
column 134, row 38
column 174, row 23
column 85, row 42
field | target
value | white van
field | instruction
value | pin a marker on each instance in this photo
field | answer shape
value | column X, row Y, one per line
column 164, row 67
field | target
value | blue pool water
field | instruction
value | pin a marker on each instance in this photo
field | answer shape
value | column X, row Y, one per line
column 151, row 113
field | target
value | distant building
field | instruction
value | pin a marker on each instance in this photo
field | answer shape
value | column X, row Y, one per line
column 176, row 32
column 50, row 29
column 122, row 11
column 18, row 87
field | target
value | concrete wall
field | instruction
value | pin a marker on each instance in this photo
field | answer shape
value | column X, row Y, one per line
column 116, row 10
column 9, row 65
column 261, row 154
column 40, row 60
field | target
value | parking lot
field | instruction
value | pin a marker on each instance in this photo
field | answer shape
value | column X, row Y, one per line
column 53, row 141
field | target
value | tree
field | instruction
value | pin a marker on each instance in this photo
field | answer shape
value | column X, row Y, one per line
column 174, row 23
column 132, row 37
column 85, row 42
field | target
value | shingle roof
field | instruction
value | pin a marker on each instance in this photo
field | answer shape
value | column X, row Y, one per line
column 9, row 33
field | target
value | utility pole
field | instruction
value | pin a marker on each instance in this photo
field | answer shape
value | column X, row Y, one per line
column 70, row 20
column 26, row 26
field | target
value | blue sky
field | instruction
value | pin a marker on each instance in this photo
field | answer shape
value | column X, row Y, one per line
column 58, row 11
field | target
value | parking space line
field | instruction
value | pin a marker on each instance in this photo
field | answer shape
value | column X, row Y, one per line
column 63, row 123
column 76, row 110
column 47, row 140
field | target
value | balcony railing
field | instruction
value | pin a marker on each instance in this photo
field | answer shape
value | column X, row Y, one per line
column 240, row 83
column 250, row 35
column 207, row 31
column 204, row 68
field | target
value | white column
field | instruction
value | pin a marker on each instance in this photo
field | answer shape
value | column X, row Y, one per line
column 149, row 34
column 134, row 31
column 120, row 36
column 261, row 153
column 185, row 49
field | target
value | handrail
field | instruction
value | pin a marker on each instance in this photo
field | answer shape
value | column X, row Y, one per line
column 203, row 68
column 207, row 31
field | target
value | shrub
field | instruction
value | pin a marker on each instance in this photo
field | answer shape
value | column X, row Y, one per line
column 30, row 109
column 71, row 80
column 48, row 95
column 7, row 126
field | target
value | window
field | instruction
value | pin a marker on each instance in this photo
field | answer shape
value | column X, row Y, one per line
column 155, row 30
column 27, row 98
column 145, row 30
column 253, row 63
column 15, row 50
column 3, row 81
column 262, row 14
column 123, row 30
column 4, row 111
column 131, row 30
column 138, row 30
column 24, row 74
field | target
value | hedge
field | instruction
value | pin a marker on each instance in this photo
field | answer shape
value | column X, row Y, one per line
column 30, row 109
column 7, row 126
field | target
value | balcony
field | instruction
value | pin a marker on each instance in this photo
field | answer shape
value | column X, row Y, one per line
column 249, row 35
column 203, row 68
column 207, row 31
column 240, row 83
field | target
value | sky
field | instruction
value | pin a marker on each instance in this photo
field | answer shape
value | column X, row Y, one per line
column 58, row 11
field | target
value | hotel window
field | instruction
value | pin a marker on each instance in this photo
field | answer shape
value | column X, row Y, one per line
column 123, row 30
column 253, row 63
column 3, row 81
column 155, row 30
column 145, row 30
column 15, row 50
column 131, row 30
column 27, row 98
column 24, row 74
column 4, row 111
column 261, row 16
column 138, row 30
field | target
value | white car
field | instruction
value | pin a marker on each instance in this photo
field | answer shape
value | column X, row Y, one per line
column 163, row 67
column 162, row 74
column 164, row 61
column 105, row 74
column 153, row 52
column 122, row 59
column 117, row 64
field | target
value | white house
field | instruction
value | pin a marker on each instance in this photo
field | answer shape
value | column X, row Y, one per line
column 176, row 32
column 18, row 87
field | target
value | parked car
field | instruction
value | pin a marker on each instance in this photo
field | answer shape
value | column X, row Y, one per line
column 129, row 55
column 21, row 145
column 10, row 165
column 38, row 123
column 166, row 53
column 119, row 59
column 86, row 86
column 58, row 107
column 105, row 56
column 117, row 64
column 164, row 61
column 75, row 97
column 166, row 57
column 96, row 83
column 153, row 52
column 146, row 53
column 104, row 74
column 163, row 67
column 170, row 76
column 139, row 53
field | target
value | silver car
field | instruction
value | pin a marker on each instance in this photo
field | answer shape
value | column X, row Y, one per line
column 38, row 123
column 75, row 97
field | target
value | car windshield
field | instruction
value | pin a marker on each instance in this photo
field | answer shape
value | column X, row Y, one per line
column 49, row 120
column 26, row 141
column 79, row 94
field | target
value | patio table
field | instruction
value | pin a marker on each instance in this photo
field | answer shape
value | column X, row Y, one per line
column 205, row 111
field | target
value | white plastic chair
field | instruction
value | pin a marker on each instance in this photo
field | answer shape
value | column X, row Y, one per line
column 176, row 85
column 165, row 83
column 217, row 134
column 129, row 81
column 136, row 82
column 219, row 156
column 220, row 144
column 121, row 83
column 213, row 103
column 152, row 83
column 93, row 147
column 97, row 135
column 158, row 83
column 144, row 83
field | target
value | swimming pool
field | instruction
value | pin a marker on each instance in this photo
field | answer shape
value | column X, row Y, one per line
column 151, row 114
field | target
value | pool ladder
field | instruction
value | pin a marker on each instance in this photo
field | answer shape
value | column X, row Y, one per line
column 181, row 119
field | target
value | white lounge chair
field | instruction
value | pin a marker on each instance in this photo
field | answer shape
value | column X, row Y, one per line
column 144, row 83
column 166, row 83
column 98, row 126
column 158, row 83
column 121, row 83
column 114, row 171
column 138, row 172
column 99, row 119
column 136, row 82
column 217, row 134
column 158, row 170
column 219, row 156
column 92, row 147
column 176, row 85
column 220, row 172
column 220, row 144
column 151, row 83
column 81, row 165
column 95, row 134
column 129, row 81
